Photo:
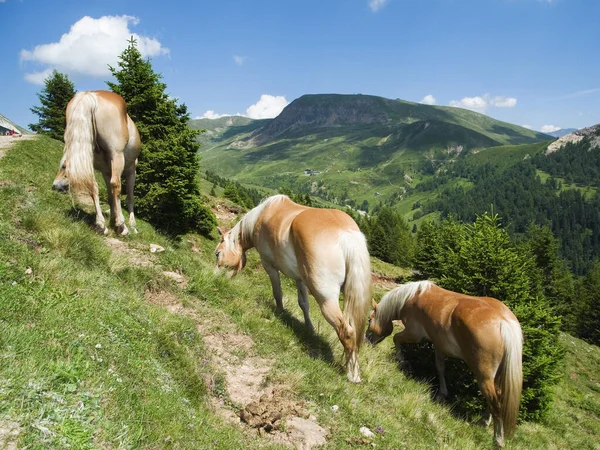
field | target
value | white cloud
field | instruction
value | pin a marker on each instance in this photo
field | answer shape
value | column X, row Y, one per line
column 239, row 60
column 428, row 100
column 38, row 77
column 482, row 103
column 210, row 114
column 529, row 127
column 267, row 107
column 549, row 128
column 376, row 5
column 504, row 102
column 473, row 103
column 89, row 47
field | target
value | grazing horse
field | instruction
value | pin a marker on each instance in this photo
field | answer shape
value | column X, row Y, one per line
column 481, row 331
column 322, row 249
column 100, row 135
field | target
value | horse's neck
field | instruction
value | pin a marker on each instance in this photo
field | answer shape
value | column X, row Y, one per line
column 245, row 236
column 392, row 309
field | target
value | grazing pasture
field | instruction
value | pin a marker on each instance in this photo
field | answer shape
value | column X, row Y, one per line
column 105, row 344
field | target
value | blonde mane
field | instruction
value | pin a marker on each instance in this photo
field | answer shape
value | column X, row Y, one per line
column 244, row 229
column 391, row 304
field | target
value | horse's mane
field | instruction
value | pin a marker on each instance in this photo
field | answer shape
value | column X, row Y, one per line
column 392, row 303
column 245, row 227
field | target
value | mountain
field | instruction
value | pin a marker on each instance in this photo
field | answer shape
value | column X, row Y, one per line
column 561, row 132
column 350, row 146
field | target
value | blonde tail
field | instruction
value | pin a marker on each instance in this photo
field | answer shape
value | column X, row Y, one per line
column 80, row 140
column 357, row 287
column 510, row 374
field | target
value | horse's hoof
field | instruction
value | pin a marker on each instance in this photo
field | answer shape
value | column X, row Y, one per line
column 439, row 398
column 354, row 379
column 122, row 230
column 101, row 229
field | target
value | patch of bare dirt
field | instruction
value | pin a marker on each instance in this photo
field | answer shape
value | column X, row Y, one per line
column 180, row 279
column 9, row 434
column 8, row 141
column 227, row 214
column 383, row 281
column 131, row 255
column 250, row 400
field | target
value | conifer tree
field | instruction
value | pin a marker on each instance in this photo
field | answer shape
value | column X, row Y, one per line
column 58, row 91
column 167, row 190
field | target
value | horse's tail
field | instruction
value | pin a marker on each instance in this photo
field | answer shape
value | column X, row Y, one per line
column 357, row 286
column 80, row 140
column 510, row 374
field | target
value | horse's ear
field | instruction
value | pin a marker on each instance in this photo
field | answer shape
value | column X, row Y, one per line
column 374, row 303
column 220, row 231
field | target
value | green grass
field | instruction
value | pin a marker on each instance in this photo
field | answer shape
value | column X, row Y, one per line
column 88, row 362
column 587, row 191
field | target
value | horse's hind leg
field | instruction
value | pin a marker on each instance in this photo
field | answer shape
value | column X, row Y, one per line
column 488, row 389
column 130, row 183
column 303, row 302
column 117, row 163
column 346, row 334
column 100, row 222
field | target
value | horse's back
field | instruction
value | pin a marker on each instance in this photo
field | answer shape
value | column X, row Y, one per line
column 462, row 322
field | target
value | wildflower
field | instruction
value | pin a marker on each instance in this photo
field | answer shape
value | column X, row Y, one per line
column 98, row 345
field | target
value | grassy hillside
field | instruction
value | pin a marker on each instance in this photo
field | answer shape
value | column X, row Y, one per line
column 360, row 146
column 107, row 345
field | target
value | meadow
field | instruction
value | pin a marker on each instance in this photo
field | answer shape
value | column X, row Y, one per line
column 105, row 344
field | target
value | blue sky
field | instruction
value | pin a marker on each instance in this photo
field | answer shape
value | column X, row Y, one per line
column 529, row 62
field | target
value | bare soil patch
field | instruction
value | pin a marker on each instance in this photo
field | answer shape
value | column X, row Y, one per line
column 129, row 254
column 383, row 281
column 9, row 434
column 250, row 400
column 8, row 141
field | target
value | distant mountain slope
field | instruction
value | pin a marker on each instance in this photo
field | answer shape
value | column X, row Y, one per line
column 355, row 145
column 337, row 110
column 561, row 132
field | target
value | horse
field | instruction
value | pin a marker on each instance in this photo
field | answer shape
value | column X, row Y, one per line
column 323, row 250
column 100, row 135
column 482, row 331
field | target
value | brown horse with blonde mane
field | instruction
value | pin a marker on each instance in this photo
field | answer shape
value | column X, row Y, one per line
column 322, row 249
column 481, row 331
column 100, row 135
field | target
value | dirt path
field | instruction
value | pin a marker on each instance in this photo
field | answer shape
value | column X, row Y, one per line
column 8, row 141
column 268, row 409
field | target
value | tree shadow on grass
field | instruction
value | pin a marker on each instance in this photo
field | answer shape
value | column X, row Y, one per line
column 464, row 401
column 315, row 345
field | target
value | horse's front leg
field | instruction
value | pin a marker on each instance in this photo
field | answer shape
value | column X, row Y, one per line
column 275, row 285
column 441, row 367
column 116, row 165
column 405, row 337
column 130, row 183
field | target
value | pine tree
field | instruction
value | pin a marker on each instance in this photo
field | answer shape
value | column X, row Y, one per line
column 167, row 190
column 55, row 96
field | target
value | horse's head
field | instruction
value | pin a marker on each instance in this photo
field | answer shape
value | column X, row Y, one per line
column 377, row 331
column 61, row 182
column 229, row 251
